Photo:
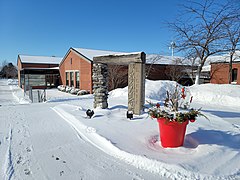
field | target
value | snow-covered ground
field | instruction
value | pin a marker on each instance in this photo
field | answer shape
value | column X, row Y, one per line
column 55, row 139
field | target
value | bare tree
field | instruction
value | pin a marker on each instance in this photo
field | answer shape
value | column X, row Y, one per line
column 4, row 63
column 191, row 58
column 150, row 64
column 8, row 70
column 200, row 30
column 117, row 76
column 176, row 70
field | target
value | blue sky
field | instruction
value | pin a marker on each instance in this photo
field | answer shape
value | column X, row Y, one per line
column 51, row 27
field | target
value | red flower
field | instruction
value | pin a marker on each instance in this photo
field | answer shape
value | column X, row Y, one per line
column 192, row 120
column 157, row 105
column 183, row 90
column 183, row 95
column 191, row 99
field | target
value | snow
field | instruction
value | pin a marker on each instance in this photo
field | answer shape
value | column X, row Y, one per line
column 59, row 129
column 223, row 58
column 90, row 53
column 40, row 59
column 165, row 60
column 217, row 94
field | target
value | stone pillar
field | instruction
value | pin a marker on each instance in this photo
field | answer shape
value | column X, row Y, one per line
column 136, row 87
column 100, row 86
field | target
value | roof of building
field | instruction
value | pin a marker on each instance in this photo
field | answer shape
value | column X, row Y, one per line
column 150, row 58
column 40, row 59
column 225, row 58
column 166, row 60
column 90, row 53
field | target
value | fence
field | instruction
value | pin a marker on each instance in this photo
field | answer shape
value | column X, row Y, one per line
column 36, row 95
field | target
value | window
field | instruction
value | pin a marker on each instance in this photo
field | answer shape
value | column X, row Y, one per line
column 36, row 80
column 71, row 79
column 234, row 75
column 67, row 78
column 77, row 79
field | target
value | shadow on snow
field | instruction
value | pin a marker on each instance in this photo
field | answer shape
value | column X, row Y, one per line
column 212, row 137
column 223, row 114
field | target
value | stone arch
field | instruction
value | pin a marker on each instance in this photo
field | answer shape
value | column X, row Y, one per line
column 136, row 79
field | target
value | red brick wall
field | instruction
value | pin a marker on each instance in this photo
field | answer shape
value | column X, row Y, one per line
column 219, row 73
column 75, row 62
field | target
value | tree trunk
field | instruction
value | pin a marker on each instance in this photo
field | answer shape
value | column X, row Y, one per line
column 230, row 68
column 197, row 79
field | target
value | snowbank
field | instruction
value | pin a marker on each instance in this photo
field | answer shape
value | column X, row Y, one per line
column 12, row 82
column 154, row 90
column 217, row 94
column 18, row 93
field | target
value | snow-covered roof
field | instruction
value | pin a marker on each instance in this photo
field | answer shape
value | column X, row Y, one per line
column 150, row 58
column 40, row 59
column 90, row 53
column 166, row 60
column 223, row 58
column 206, row 68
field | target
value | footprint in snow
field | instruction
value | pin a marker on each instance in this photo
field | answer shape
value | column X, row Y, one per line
column 61, row 173
column 57, row 159
column 28, row 149
column 19, row 160
column 27, row 171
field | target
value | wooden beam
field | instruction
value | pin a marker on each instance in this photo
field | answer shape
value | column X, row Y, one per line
column 121, row 59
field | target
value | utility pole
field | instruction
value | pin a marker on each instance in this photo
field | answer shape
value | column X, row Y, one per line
column 172, row 47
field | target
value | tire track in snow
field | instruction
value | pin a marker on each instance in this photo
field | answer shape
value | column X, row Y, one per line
column 8, row 164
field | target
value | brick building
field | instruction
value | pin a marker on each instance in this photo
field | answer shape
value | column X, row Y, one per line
column 76, row 67
column 220, row 72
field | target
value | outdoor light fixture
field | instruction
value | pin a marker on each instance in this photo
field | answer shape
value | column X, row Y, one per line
column 129, row 115
column 90, row 113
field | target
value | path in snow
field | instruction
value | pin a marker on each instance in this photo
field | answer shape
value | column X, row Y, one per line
column 6, row 95
column 14, row 136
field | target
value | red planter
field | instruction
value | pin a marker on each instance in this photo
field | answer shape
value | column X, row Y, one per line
column 171, row 133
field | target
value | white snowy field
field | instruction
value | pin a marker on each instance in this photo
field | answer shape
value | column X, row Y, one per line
column 55, row 140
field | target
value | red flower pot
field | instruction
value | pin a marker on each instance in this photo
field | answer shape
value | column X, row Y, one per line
column 171, row 133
